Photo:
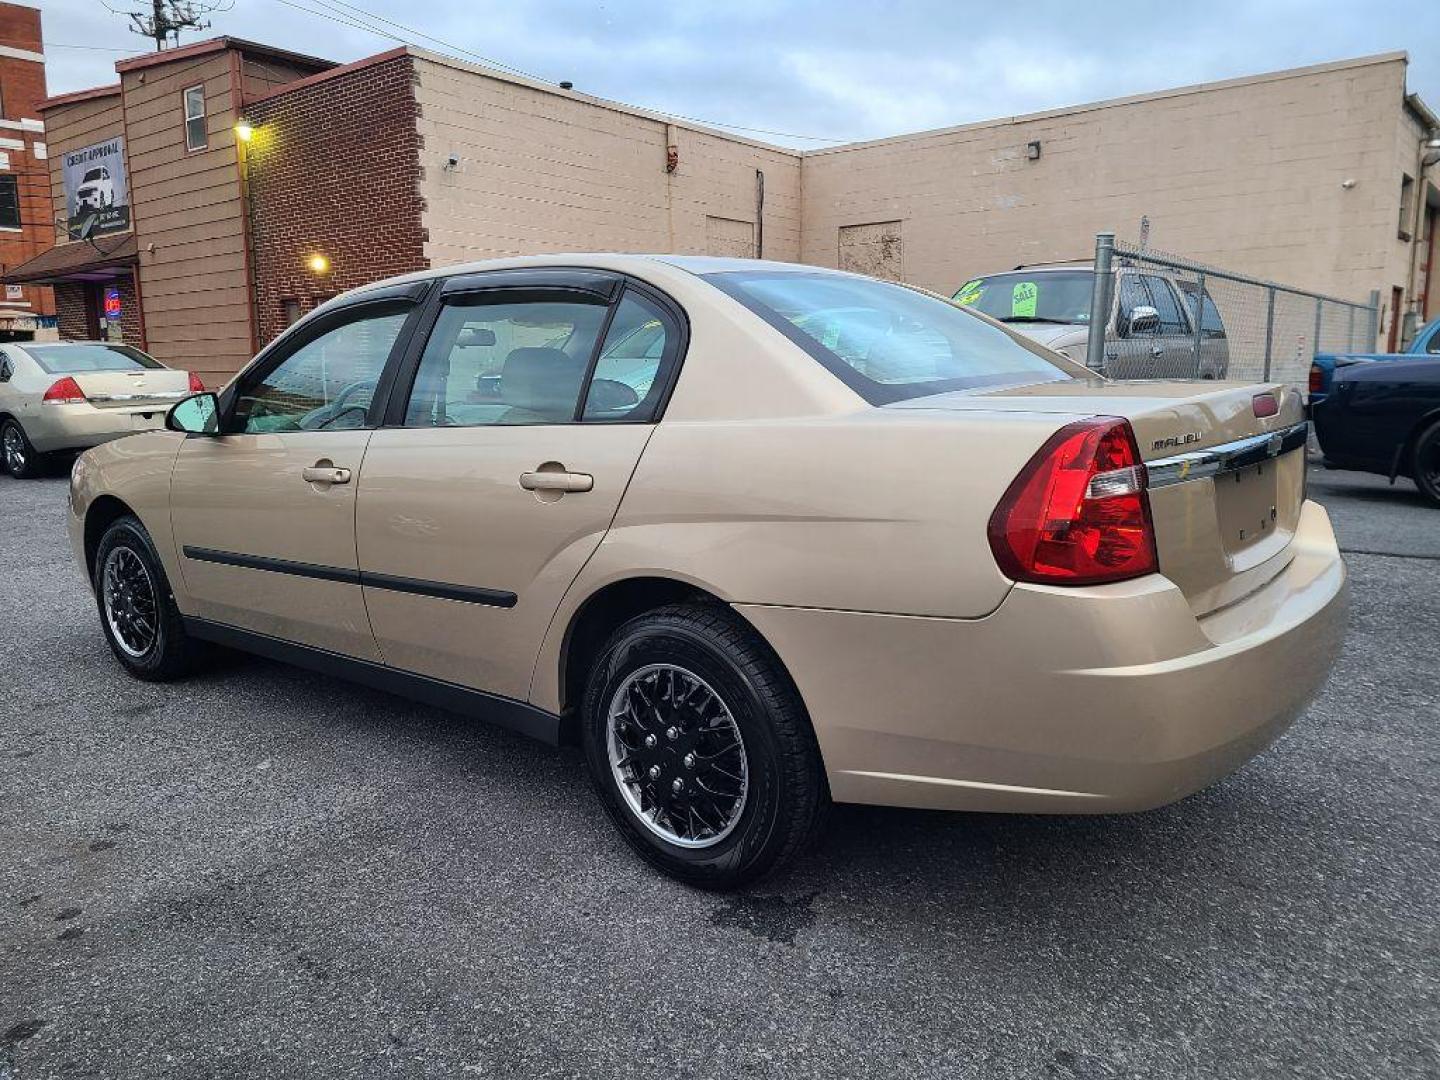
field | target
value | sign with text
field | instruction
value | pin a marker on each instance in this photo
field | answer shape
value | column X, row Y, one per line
column 97, row 196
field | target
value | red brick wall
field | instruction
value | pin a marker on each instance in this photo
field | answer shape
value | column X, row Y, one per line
column 334, row 169
column 130, row 313
column 22, row 88
column 73, row 298
column 70, row 308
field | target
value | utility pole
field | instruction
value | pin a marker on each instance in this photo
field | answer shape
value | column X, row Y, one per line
column 165, row 19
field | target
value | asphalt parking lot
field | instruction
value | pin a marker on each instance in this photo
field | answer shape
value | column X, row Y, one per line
column 266, row 873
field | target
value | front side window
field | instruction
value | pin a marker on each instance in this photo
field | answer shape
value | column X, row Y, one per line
column 885, row 341
column 66, row 359
column 490, row 360
column 326, row 384
column 195, row 136
column 1162, row 298
column 9, row 201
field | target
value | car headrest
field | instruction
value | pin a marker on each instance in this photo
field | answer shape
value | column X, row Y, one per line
column 545, row 381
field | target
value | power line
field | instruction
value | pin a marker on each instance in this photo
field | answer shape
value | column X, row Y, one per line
column 345, row 18
column 93, row 48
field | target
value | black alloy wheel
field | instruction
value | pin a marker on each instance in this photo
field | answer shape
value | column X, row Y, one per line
column 699, row 747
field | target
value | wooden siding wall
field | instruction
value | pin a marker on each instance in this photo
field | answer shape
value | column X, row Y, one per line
column 187, row 204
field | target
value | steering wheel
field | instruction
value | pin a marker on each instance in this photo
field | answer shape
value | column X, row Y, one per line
column 326, row 415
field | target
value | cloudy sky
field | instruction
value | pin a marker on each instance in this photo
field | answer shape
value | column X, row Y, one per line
column 836, row 70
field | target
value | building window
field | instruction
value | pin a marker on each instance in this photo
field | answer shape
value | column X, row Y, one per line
column 1407, row 205
column 195, row 118
column 9, row 201
column 290, row 311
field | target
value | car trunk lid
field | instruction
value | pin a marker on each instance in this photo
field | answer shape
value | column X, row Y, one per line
column 1225, row 483
column 132, row 389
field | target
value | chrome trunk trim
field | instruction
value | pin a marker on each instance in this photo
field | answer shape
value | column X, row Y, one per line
column 1226, row 458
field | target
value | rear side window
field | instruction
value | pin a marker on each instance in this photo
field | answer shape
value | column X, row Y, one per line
column 1211, row 324
column 627, row 382
column 490, row 360
column 885, row 341
column 65, row 359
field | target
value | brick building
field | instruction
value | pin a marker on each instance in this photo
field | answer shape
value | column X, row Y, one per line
column 26, row 311
column 257, row 183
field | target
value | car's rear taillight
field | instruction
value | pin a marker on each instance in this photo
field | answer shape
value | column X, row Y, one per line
column 64, row 391
column 1317, row 379
column 1078, row 513
column 196, row 386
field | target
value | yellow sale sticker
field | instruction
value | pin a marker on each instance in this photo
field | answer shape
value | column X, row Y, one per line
column 970, row 292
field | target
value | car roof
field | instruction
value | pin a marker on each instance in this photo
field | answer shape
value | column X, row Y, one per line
column 618, row 262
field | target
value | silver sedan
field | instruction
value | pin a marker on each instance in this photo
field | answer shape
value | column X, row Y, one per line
column 69, row 395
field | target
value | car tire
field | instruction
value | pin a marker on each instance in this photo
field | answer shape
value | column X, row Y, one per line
column 22, row 460
column 670, row 690
column 1425, row 463
column 137, row 608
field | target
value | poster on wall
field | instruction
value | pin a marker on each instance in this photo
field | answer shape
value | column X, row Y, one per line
column 96, row 189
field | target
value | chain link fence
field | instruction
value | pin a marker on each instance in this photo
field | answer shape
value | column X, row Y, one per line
column 1229, row 325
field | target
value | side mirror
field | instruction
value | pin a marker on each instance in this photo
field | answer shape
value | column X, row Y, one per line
column 196, row 415
column 1143, row 319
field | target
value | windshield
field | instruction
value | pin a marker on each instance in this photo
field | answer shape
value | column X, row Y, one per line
column 1058, row 296
column 94, row 174
column 63, row 359
column 887, row 342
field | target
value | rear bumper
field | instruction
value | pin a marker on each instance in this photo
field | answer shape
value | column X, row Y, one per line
column 1098, row 700
column 79, row 426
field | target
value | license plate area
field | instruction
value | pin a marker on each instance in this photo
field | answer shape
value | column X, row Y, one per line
column 147, row 421
column 1255, row 503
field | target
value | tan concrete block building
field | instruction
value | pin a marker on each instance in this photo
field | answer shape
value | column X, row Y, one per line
column 408, row 159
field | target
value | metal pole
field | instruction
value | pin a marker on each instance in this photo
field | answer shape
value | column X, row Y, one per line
column 1319, row 318
column 1100, row 301
column 1350, row 332
column 1269, row 330
column 1374, row 320
column 1199, row 315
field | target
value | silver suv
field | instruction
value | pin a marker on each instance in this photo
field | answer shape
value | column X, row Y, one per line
column 1152, row 332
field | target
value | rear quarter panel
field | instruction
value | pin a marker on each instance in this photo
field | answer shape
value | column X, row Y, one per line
column 879, row 511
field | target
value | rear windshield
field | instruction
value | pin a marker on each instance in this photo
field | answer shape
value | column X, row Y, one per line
column 1054, row 296
column 67, row 359
column 887, row 342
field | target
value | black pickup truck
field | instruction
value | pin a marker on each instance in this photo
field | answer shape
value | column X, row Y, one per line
column 1384, row 418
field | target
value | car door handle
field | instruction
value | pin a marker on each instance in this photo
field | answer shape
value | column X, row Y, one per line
column 324, row 474
column 1157, row 350
column 556, row 481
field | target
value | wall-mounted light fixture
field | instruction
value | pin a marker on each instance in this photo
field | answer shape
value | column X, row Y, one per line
column 244, row 131
column 318, row 264
column 1032, row 150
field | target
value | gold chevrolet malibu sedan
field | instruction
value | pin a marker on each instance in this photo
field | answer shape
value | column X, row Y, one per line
column 756, row 536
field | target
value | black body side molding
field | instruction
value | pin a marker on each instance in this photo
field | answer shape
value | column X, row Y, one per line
column 466, row 594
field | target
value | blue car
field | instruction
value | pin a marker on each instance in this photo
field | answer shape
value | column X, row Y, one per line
column 1324, row 366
